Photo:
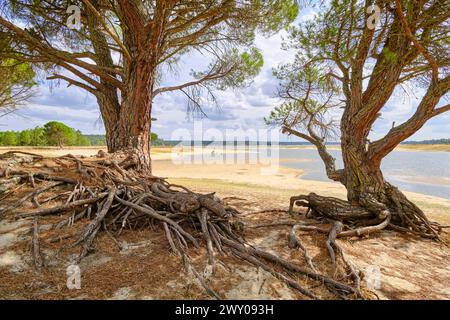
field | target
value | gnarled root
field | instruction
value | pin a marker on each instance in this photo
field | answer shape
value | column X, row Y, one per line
column 111, row 196
column 370, row 216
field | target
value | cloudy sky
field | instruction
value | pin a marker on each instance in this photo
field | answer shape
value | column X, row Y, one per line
column 239, row 109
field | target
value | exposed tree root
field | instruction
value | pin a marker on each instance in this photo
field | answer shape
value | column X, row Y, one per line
column 294, row 243
column 331, row 242
column 38, row 262
column 349, row 220
column 371, row 215
column 111, row 196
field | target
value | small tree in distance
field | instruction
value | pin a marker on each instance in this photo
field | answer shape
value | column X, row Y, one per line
column 58, row 134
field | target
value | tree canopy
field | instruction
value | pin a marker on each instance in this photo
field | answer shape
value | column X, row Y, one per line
column 124, row 51
column 17, row 78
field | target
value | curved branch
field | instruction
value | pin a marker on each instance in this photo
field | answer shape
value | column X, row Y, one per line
column 441, row 110
column 210, row 76
column 425, row 111
column 74, row 82
column 59, row 56
column 327, row 158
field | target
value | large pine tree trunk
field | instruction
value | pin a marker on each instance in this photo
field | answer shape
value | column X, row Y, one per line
column 127, row 119
column 110, row 110
column 128, row 125
column 373, row 203
column 361, row 176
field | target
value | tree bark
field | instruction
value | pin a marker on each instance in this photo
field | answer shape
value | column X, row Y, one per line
column 368, row 189
column 128, row 124
column 110, row 108
column 132, row 131
column 361, row 175
column 127, row 117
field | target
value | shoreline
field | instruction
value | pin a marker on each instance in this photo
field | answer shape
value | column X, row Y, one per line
column 168, row 149
column 401, row 148
column 109, row 272
column 287, row 181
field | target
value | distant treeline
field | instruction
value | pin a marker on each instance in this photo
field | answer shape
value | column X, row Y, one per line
column 435, row 141
column 58, row 134
column 55, row 133
column 96, row 139
column 100, row 139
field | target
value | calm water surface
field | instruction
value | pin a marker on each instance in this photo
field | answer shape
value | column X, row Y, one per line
column 415, row 171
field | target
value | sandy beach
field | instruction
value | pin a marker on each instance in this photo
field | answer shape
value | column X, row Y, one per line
column 285, row 183
column 255, row 178
column 147, row 271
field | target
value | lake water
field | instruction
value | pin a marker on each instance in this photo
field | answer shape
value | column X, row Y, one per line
column 415, row 171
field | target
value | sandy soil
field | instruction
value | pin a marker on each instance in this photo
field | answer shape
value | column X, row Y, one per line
column 424, row 147
column 408, row 268
column 271, row 175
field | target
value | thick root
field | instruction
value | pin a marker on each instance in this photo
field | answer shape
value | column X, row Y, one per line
column 349, row 220
column 111, row 196
column 370, row 216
